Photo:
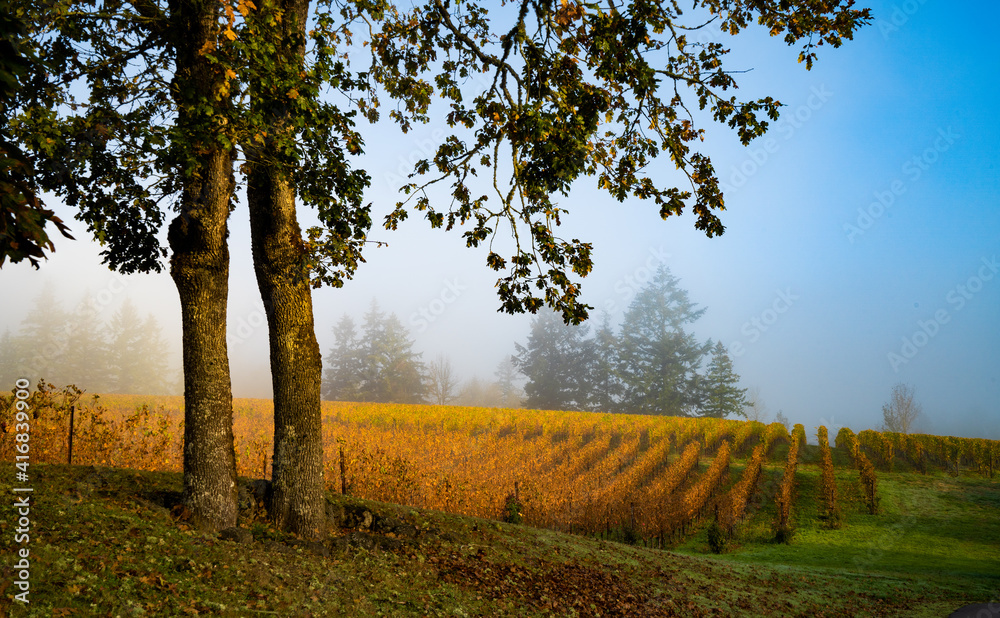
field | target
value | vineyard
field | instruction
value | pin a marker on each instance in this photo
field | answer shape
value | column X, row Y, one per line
column 647, row 479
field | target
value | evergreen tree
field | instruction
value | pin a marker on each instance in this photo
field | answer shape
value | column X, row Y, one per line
column 153, row 361
column 43, row 340
column 345, row 371
column 555, row 361
column 658, row 360
column 10, row 361
column 400, row 371
column 137, row 352
column 605, row 385
column 506, row 383
column 721, row 391
column 379, row 366
column 86, row 358
column 125, row 334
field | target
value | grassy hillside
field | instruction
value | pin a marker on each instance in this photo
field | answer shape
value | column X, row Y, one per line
column 107, row 542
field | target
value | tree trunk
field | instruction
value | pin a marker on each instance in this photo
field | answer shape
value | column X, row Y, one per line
column 297, row 503
column 279, row 254
column 199, row 267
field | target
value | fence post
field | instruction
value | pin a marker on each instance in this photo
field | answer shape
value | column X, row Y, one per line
column 72, row 414
column 343, row 472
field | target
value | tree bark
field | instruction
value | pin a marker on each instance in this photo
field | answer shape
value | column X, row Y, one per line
column 279, row 254
column 199, row 267
column 297, row 502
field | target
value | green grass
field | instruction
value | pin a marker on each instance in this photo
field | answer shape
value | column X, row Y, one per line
column 102, row 544
column 931, row 531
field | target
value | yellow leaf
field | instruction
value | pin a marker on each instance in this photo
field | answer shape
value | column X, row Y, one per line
column 230, row 74
column 293, row 94
column 230, row 34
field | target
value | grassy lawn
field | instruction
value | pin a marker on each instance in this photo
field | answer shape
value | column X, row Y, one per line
column 104, row 543
column 931, row 531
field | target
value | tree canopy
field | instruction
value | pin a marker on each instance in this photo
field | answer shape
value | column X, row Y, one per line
column 23, row 217
column 140, row 107
column 575, row 89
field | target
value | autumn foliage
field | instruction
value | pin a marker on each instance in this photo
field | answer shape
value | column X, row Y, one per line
column 784, row 496
column 828, row 482
column 652, row 477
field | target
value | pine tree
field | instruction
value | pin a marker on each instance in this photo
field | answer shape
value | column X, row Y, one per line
column 658, row 360
column 344, row 373
column 379, row 366
column 506, row 383
column 722, row 393
column 605, row 385
column 555, row 361
column 136, row 353
column 400, row 371
column 43, row 340
column 86, row 359
column 10, row 361
column 152, row 363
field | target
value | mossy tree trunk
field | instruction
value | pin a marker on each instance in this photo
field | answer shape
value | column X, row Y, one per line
column 279, row 254
column 199, row 267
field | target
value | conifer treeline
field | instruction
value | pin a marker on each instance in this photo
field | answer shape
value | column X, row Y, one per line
column 652, row 365
column 124, row 354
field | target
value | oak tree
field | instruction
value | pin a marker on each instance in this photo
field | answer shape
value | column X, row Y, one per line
column 574, row 89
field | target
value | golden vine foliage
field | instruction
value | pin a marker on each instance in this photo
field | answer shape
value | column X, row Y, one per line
column 869, row 482
column 734, row 504
column 828, row 482
column 784, row 496
column 575, row 471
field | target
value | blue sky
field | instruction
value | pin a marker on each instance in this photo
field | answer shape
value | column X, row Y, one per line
column 866, row 224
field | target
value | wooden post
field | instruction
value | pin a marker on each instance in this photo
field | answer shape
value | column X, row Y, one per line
column 72, row 415
column 343, row 472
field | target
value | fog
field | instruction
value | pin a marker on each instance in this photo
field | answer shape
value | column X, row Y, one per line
column 861, row 249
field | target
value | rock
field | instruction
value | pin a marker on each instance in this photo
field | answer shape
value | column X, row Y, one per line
column 157, row 510
column 361, row 540
column 977, row 610
column 275, row 546
column 318, row 548
column 338, row 544
column 395, row 527
column 236, row 535
column 359, row 517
